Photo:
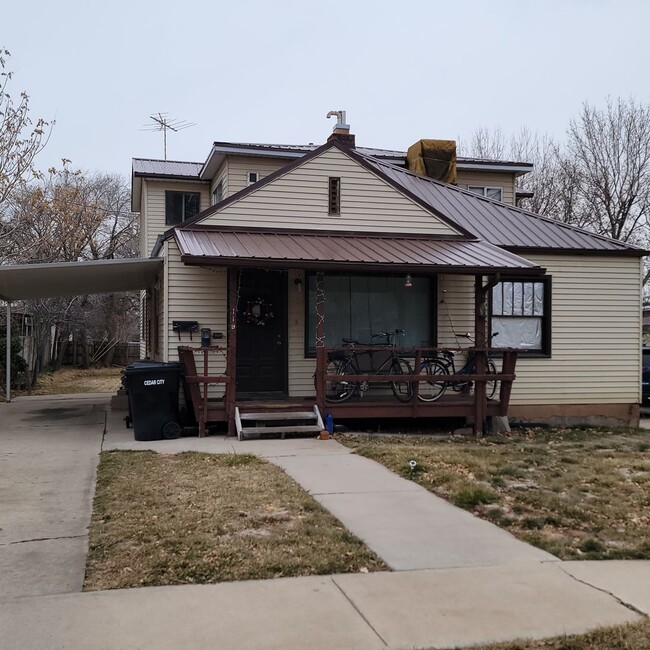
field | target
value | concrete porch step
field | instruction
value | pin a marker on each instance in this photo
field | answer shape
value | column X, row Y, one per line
column 294, row 422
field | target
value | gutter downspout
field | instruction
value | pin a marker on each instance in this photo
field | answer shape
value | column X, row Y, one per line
column 8, row 358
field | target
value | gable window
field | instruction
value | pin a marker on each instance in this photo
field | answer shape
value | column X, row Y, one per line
column 521, row 315
column 334, row 196
column 217, row 193
column 252, row 177
column 180, row 206
column 495, row 193
column 357, row 306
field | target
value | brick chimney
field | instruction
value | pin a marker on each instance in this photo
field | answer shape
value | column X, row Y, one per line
column 341, row 130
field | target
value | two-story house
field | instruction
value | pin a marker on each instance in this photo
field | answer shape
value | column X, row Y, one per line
column 282, row 252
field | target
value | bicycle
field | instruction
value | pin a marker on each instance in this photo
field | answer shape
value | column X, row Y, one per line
column 368, row 362
column 434, row 387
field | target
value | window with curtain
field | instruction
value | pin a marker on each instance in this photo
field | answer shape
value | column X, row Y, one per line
column 520, row 312
column 357, row 306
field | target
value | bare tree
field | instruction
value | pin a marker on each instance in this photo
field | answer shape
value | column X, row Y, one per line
column 20, row 139
column 610, row 149
column 71, row 216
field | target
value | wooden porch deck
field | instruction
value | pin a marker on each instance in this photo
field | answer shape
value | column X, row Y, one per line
column 451, row 404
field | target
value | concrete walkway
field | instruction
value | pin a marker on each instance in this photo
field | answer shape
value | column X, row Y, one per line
column 48, row 455
column 406, row 525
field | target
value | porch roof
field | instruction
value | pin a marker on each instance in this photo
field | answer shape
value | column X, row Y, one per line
column 346, row 251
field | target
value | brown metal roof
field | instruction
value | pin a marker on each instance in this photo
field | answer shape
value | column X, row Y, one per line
column 493, row 221
column 344, row 251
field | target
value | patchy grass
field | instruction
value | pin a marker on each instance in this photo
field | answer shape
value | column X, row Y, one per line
column 577, row 493
column 75, row 380
column 633, row 636
column 203, row 518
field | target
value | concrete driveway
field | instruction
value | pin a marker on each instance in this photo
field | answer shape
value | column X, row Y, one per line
column 48, row 456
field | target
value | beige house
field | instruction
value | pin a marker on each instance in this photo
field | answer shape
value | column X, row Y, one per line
column 279, row 253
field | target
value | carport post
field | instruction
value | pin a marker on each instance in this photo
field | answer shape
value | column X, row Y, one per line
column 8, row 358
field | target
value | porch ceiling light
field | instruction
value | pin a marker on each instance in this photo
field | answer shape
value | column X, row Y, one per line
column 408, row 284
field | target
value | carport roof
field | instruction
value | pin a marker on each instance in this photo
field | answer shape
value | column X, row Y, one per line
column 28, row 281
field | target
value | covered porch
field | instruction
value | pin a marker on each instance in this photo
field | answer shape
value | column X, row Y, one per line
column 304, row 261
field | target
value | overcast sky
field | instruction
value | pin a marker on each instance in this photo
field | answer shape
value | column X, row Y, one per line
column 269, row 71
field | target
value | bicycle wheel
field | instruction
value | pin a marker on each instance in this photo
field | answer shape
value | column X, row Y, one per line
column 433, row 386
column 339, row 390
column 491, row 384
column 403, row 390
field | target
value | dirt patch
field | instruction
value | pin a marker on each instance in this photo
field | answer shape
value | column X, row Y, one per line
column 75, row 380
column 202, row 518
column 579, row 494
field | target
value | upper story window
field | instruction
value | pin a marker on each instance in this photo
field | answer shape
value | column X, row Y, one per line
column 180, row 206
column 252, row 177
column 495, row 193
column 217, row 193
column 334, row 196
column 521, row 315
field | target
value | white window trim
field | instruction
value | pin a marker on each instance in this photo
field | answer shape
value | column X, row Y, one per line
column 214, row 191
column 248, row 178
column 484, row 189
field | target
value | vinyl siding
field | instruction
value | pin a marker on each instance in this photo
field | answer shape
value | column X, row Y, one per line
column 239, row 166
column 222, row 176
column 301, row 370
column 505, row 180
column 200, row 294
column 595, row 318
column 155, row 207
column 299, row 199
column 596, row 331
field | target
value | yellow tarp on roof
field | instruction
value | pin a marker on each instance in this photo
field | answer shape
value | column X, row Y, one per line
column 433, row 158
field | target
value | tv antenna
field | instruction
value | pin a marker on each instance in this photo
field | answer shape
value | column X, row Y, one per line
column 162, row 122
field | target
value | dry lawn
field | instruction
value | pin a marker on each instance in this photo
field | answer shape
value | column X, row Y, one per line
column 201, row 518
column 579, row 494
column 634, row 636
column 75, row 380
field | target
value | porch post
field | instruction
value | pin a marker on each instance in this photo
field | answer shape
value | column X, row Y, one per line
column 8, row 358
column 480, row 342
column 321, row 353
column 231, row 352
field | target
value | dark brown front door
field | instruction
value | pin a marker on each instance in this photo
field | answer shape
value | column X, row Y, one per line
column 262, row 334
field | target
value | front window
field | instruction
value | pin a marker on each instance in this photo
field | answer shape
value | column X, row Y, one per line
column 357, row 306
column 180, row 206
column 252, row 178
column 520, row 313
column 495, row 193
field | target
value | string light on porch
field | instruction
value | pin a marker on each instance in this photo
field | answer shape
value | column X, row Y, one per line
column 320, row 312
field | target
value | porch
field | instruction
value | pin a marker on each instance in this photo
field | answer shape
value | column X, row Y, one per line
column 279, row 332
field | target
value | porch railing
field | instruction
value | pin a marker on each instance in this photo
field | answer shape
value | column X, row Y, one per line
column 477, row 408
column 198, row 385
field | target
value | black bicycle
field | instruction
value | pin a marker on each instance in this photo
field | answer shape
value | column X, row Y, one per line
column 383, row 361
column 433, row 387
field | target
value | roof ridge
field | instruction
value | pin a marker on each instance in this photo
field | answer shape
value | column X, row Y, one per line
column 507, row 206
column 177, row 162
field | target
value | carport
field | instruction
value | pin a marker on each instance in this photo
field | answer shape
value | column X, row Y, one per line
column 33, row 281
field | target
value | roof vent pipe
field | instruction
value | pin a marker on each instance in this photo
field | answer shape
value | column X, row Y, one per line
column 341, row 130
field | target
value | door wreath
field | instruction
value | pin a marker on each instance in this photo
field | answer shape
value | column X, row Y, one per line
column 258, row 312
